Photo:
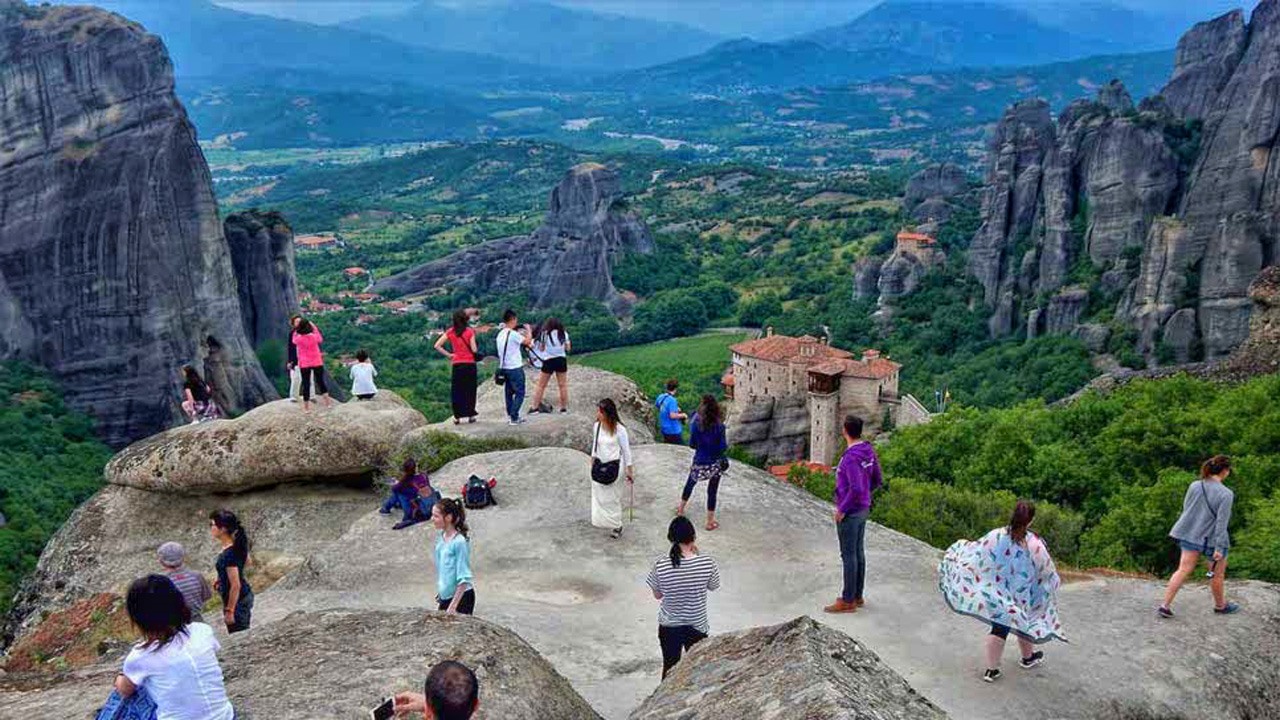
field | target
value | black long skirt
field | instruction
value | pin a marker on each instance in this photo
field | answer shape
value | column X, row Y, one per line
column 464, row 390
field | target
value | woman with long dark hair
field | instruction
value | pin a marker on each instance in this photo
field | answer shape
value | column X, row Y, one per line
column 232, row 585
column 455, row 587
column 681, row 580
column 197, row 397
column 462, row 354
column 176, row 662
column 551, row 343
column 1008, row 581
column 707, row 438
column 1202, row 530
column 307, row 339
column 610, row 459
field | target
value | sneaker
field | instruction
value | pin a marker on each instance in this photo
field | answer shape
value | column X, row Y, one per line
column 1228, row 609
column 383, row 511
column 534, row 411
column 564, row 410
column 616, row 533
column 991, row 675
column 521, row 421
column 1164, row 612
column 841, row 606
column 1032, row 660
column 859, row 602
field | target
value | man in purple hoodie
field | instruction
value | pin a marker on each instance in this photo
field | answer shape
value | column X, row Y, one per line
column 857, row 475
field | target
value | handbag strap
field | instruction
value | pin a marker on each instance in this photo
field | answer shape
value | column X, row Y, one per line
column 1209, row 505
column 502, row 359
column 596, row 442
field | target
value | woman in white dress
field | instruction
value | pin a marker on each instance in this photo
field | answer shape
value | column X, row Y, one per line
column 610, row 461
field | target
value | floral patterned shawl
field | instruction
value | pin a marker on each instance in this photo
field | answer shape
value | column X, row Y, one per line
column 999, row 581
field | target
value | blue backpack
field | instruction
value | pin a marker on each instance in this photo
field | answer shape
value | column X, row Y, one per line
column 478, row 493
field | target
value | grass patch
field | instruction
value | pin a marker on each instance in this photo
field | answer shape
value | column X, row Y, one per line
column 698, row 362
column 434, row 450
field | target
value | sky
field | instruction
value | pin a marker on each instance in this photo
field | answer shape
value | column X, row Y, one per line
column 760, row 19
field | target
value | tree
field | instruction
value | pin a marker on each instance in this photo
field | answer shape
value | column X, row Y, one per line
column 756, row 311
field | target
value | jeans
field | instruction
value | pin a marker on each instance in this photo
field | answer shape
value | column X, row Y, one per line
column 513, row 392
column 852, row 532
column 244, row 613
column 674, row 641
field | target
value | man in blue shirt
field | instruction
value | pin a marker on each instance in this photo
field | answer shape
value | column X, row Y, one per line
column 670, row 419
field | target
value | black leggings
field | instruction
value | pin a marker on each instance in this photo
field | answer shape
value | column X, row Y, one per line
column 321, row 387
column 674, row 641
column 466, row 604
column 713, row 487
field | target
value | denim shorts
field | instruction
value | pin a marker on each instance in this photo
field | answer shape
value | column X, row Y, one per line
column 1203, row 549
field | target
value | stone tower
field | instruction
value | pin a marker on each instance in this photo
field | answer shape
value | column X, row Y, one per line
column 824, row 415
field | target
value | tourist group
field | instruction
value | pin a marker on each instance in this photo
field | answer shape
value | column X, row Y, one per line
column 1007, row 579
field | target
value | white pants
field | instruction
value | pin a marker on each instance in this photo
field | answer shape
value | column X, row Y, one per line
column 606, row 504
column 295, row 383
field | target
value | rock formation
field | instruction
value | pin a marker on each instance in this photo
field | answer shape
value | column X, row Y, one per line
column 113, row 266
column 1110, row 187
column 269, row 445
column 800, row 669
column 586, row 231
column 261, row 246
column 338, row 663
column 930, row 192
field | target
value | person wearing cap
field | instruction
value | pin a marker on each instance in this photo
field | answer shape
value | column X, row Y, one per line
column 193, row 586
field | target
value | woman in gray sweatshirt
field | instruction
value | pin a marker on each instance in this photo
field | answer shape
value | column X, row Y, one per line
column 1202, row 530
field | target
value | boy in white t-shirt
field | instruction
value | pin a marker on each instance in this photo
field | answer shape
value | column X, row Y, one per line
column 362, row 375
column 510, row 344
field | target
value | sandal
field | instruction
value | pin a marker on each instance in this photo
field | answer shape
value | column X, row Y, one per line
column 616, row 533
column 456, row 421
column 713, row 525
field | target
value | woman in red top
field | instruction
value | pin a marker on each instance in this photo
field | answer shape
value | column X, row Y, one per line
column 462, row 353
column 307, row 338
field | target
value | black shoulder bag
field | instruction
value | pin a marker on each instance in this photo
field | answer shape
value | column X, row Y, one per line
column 498, row 377
column 605, row 473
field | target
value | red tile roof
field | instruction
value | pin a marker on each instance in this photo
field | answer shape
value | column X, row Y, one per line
column 781, row 348
column 918, row 237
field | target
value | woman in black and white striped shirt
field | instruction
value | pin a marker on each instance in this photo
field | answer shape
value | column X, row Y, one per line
column 681, row 581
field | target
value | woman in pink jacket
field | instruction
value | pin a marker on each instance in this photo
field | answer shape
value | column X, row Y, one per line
column 307, row 338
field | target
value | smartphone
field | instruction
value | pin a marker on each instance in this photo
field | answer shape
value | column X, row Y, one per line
column 385, row 711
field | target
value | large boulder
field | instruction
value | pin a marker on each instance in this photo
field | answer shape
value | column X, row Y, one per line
column 799, row 669
column 587, row 386
column 272, row 444
column 338, row 663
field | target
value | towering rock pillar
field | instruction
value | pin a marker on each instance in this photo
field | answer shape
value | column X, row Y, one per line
column 113, row 266
column 262, row 252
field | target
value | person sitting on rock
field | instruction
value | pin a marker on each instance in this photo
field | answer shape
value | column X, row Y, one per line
column 681, row 581
column 232, row 585
column 176, row 662
column 1202, row 530
column 413, row 494
column 551, row 342
column 670, row 419
column 362, row 375
column 1008, row 580
column 452, row 692
column 707, row 438
column 610, row 458
column 455, row 588
column 308, row 339
column 197, row 397
column 194, row 588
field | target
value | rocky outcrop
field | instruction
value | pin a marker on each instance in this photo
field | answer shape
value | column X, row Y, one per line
column 866, row 277
column 269, row 445
column 1207, row 56
column 800, row 669
column 587, row 386
column 899, row 276
column 770, row 428
column 113, row 266
column 261, row 246
column 586, row 231
column 1260, row 353
column 930, row 192
column 338, row 663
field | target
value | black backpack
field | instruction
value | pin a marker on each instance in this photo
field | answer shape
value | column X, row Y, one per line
column 478, row 493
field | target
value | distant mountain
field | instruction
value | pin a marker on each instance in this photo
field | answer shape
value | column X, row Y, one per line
column 749, row 66
column 1111, row 22
column 208, row 41
column 959, row 34
column 541, row 34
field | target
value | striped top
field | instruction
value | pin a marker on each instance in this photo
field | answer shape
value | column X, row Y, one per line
column 684, row 590
column 194, row 588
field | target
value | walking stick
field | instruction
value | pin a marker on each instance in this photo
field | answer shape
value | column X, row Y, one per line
column 631, row 504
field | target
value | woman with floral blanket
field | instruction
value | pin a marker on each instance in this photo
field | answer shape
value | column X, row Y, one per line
column 1006, row 579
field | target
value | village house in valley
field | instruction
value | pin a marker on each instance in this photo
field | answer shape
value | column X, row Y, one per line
column 790, row 396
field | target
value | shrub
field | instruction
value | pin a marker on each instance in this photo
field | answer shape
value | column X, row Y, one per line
column 435, row 449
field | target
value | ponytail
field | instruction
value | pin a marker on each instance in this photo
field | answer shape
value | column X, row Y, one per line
column 227, row 521
column 1215, row 465
column 679, row 533
column 452, row 508
column 1023, row 513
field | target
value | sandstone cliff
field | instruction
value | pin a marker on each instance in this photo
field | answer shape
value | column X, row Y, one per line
column 113, row 266
column 586, row 230
column 261, row 246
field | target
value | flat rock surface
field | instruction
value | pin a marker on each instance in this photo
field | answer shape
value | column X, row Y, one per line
column 339, row 663
column 587, row 386
column 269, row 445
column 580, row 599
